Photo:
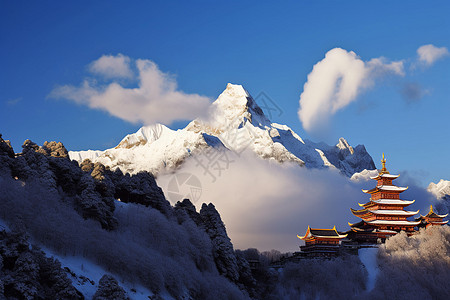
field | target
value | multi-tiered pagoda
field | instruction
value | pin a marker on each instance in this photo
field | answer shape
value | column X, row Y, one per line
column 431, row 219
column 384, row 214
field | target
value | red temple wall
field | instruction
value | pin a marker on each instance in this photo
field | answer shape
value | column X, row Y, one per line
column 384, row 181
column 385, row 195
column 322, row 242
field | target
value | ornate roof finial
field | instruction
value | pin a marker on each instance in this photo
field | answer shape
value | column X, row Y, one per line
column 383, row 164
column 431, row 209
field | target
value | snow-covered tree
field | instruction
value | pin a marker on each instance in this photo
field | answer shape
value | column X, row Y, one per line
column 109, row 288
column 27, row 274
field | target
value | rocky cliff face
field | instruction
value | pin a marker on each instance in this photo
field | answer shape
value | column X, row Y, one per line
column 121, row 222
column 93, row 187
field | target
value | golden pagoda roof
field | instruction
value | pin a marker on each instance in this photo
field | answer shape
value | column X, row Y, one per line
column 324, row 233
column 384, row 172
column 355, row 224
column 432, row 214
column 383, row 164
column 360, row 226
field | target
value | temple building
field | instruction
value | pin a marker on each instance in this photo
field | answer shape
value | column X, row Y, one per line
column 431, row 219
column 321, row 242
column 384, row 214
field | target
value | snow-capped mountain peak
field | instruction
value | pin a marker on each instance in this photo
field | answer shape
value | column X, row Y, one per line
column 232, row 109
column 236, row 123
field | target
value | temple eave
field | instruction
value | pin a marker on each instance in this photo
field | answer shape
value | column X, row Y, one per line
column 392, row 202
column 395, row 212
column 393, row 223
column 390, row 176
column 439, row 223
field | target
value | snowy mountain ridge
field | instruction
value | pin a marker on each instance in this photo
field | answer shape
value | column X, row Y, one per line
column 440, row 189
column 236, row 123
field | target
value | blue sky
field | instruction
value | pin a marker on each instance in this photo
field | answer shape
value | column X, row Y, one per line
column 265, row 46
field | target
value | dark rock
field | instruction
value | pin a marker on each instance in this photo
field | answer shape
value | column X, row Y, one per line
column 189, row 208
column 6, row 148
column 142, row 189
column 55, row 149
column 87, row 166
column 223, row 252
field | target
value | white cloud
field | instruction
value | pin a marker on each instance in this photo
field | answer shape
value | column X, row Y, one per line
column 156, row 99
column 336, row 81
column 111, row 66
column 265, row 204
column 14, row 101
column 429, row 54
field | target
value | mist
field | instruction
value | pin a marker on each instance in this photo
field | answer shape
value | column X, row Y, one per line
column 265, row 205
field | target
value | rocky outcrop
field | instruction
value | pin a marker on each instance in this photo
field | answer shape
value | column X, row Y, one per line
column 92, row 188
column 6, row 148
column 6, row 156
column 228, row 262
column 223, row 252
column 189, row 209
column 140, row 188
column 54, row 149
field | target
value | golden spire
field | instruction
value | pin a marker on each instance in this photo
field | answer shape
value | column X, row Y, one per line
column 383, row 164
column 431, row 209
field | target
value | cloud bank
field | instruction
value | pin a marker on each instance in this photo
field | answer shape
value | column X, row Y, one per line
column 155, row 100
column 429, row 54
column 265, row 204
column 336, row 81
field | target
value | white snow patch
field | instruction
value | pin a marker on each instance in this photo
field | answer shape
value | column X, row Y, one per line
column 82, row 155
column 368, row 257
column 325, row 159
column 364, row 175
column 88, row 274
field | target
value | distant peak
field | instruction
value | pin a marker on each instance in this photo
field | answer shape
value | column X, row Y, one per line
column 440, row 189
column 236, row 103
column 343, row 145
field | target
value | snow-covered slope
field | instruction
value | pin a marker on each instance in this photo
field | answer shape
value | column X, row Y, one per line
column 235, row 123
column 441, row 189
column 151, row 148
column 364, row 175
column 85, row 276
